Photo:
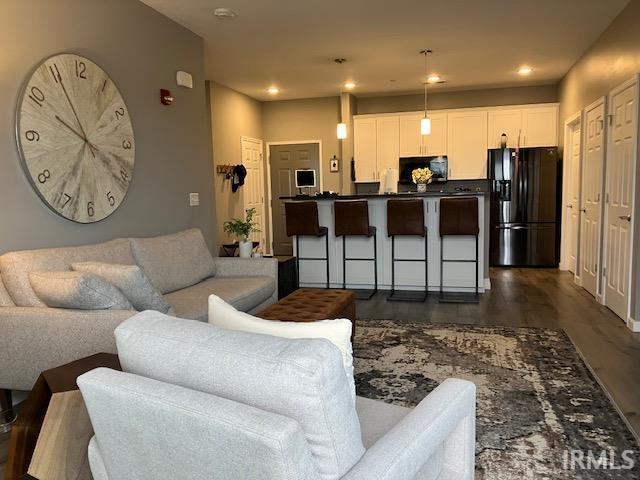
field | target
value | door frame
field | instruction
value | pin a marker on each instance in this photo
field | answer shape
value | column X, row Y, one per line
column 569, row 125
column 633, row 324
column 268, row 166
column 260, row 142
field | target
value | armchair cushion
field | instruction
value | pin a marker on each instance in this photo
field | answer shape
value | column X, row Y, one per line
column 130, row 280
column 5, row 298
column 77, row 290
column 175, row 261
column 300, row 379
column 145, row 429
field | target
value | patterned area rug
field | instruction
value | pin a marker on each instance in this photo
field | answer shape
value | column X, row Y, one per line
column 539, row 410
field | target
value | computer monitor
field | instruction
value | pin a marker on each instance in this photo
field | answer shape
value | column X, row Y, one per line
column 305, row 178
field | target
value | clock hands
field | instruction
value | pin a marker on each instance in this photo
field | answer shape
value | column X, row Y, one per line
column 87, row 142
column 84, row 134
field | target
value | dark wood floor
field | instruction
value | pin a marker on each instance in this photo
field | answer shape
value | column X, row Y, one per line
column 532, row 298
column 542, row 298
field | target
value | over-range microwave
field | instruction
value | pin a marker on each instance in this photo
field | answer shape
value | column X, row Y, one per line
column 438, row 165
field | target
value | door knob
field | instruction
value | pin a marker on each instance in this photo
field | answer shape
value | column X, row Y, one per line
column 583, row 210
column 625, row 217
column 569, row 206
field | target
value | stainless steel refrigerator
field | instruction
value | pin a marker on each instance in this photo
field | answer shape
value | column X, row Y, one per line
column 525, row 200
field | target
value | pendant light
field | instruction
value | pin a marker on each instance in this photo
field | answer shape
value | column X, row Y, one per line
column 341, row 128
column 342, row 131
column 425, row 122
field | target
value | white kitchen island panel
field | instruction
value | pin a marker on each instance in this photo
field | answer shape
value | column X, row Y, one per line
column 458, row 277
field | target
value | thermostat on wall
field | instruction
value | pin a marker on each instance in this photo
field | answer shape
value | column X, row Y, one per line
column 184, row 79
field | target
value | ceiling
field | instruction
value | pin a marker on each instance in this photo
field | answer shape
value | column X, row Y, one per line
column 476, row 44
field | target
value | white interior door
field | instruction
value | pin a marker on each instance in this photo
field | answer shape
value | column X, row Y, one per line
column 572, row 203
column 591, row 196
column 621, row 158
column 254, row 186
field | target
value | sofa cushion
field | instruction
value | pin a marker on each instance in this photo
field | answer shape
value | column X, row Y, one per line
column 16, row 266
column 5, row 298
column 130, row 280
column 337, row 331
column 301, row 379
column 77, row 290
column 174, row 261
column 244, row 293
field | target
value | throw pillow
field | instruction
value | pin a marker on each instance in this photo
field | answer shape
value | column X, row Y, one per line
column 78, row 291
column 5, row 298
column 299, row 378
column 130, row 280
column 337, row 331
column 176, row 261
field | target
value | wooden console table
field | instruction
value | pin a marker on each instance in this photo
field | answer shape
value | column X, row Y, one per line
column 54, row 408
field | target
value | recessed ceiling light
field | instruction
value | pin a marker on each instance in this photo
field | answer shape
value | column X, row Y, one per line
column 273, row 90
column 349, row 85
column 434, row 78
column 525, row 70
column 224, row 14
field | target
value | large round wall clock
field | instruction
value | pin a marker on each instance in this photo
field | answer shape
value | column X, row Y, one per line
column 75, row 138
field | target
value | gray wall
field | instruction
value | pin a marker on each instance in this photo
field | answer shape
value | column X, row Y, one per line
column 141, row 50
column 459, row 99
column 233, row 115
column 613, row 59
column 308, row 119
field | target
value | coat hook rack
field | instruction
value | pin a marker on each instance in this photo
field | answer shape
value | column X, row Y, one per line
column 226, row 170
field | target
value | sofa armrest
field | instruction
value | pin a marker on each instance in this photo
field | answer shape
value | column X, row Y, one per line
column 246, row 267
column 33, row 339
column 439, row 434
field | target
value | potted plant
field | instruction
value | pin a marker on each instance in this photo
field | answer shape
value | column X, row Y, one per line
column 242, row 230
column 421, row 176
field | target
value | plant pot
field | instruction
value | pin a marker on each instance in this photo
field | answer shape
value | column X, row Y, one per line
column 245, row 247
column 422, row 187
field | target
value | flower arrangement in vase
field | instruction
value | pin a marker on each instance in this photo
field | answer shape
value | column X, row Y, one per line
column 421, row 177
column 242, row 230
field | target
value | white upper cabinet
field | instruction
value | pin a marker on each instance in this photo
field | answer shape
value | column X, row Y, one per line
column 413, row 144
column 508, row 121
column 365, row 148
column 539, row 127
column 388, row 143
column 467, row 144
column 436, row 143
column 410, row 138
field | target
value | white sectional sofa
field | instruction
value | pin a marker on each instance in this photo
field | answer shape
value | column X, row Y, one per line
column 34, row 337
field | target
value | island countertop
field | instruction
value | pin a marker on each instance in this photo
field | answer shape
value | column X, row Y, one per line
column 433, row 193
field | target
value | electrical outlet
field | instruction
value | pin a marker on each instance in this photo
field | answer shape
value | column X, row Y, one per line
column 194, row 199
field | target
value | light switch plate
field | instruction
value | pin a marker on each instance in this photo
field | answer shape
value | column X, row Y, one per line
column 194, row 199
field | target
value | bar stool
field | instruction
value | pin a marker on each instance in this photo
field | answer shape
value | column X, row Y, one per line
column 302, row 220
column 458, row 217
column 352, row 219
column 406, row 218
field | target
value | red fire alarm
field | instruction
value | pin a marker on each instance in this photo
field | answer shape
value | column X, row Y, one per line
column 165, row 97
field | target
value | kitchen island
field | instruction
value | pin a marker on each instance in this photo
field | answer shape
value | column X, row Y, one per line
column 458, row 277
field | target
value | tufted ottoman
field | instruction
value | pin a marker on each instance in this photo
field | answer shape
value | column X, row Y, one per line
column 313, row 304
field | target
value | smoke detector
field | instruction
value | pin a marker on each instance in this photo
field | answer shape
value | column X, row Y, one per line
column 224, row 14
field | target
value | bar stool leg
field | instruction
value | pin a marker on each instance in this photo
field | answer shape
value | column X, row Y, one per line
column 441, row 266
column 393, row 265
column 477, row 265
column 426, row 262
column 344, row 262
column 375, row 262
column 326, row 238
column 297, row 261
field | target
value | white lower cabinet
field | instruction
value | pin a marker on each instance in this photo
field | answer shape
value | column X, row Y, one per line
column 467, row 144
